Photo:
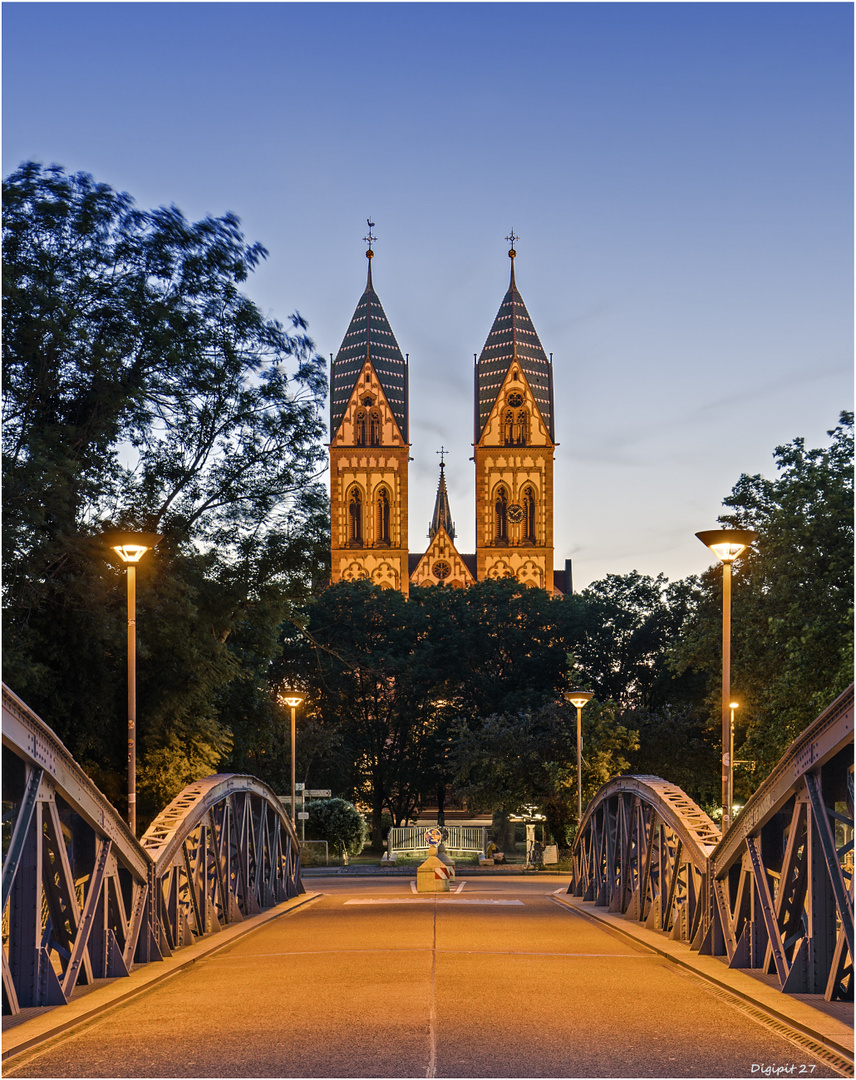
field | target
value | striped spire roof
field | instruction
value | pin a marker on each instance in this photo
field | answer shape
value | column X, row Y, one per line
column 369, row 337
column 513, row 336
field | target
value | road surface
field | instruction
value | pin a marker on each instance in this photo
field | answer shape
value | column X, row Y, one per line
column 372, row 980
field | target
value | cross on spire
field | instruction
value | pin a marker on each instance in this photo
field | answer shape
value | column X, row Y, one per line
column 442, row 452
column 511, row 239
column 369, row 239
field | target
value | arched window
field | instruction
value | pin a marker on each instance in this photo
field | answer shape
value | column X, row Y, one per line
column 508, row 427
column 361, row 428
column 501, row 516
column 383, row 517
column 374, row 428
column 529, row 512
column 355, row 518
column 521, row 427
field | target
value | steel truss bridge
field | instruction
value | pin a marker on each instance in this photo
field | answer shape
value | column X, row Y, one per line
column 84, row 900
column 774, row 895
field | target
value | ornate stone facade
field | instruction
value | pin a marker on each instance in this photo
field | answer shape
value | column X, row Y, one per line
column 514, row 447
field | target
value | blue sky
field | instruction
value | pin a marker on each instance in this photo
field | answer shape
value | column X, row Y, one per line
column 679, row 175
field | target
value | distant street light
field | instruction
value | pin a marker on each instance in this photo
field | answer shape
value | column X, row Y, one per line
column 579, row 698
column 726, row 544
column 732, row 706
column 131, row 547
column 292, row 698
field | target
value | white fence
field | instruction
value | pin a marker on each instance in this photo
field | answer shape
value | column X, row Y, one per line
column 459, row 838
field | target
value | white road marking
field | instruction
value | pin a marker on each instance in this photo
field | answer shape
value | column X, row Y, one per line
column 434, row 899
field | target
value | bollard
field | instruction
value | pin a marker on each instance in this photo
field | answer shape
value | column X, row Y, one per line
column 432, row 876
column 445, row 858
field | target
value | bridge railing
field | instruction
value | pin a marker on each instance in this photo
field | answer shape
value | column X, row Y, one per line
column 460, row 838
column 84, row 900
column 774, row 894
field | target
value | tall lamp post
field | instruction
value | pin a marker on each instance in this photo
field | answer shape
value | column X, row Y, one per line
column 131, row 547
column 579, row 698
column 726, row 544
column 292, row 698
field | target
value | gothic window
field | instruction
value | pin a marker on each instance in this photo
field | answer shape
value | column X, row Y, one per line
column 361, row 428
column 515, row 423
column 501, row 516
column 529, row 510
column 355, row 518
column 374, row 427
column 383, row 517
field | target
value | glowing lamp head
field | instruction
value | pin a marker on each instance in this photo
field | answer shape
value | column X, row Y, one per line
column 131, row 546
column 291, row 698
column 733, row 705
column 130, row 552
column 578, row 698
column 727, row 544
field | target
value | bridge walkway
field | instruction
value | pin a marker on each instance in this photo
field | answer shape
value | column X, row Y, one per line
column 502, row 978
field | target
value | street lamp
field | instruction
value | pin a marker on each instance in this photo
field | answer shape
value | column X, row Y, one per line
column 292, row 698
column 579, row 698
column 131, row 547
column 726, row 544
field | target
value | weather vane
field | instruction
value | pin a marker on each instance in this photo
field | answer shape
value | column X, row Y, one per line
column 369, row 239
column 442, row 452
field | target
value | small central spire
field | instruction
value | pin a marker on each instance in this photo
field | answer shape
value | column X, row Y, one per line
column 442, row 512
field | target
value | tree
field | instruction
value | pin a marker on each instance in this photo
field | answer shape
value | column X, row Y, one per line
column 506, row 761
column 339, row 823
column 628, row 622
column 143, row 389
column 792, row 611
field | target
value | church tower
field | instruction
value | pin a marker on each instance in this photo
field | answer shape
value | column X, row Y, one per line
column 514, row 448
column 369, row 449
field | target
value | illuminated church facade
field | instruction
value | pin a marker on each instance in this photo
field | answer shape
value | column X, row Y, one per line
column 514, row 447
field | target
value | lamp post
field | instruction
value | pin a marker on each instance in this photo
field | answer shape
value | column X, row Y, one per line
column 579, row 698
column 131, row 547
column 292, row 698
column 726, row 544
column 732, row 706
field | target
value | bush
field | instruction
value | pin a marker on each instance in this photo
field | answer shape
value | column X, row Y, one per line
column 339, row 823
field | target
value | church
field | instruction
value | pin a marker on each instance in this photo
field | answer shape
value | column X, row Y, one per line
column 514, row 445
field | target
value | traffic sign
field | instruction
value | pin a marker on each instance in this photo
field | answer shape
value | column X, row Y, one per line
column 320, row 793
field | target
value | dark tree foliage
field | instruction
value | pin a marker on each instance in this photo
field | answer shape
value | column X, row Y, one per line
column 510, row 760
column 792, row 601
column 385, row 678
column 629, row 621
column 143, row 389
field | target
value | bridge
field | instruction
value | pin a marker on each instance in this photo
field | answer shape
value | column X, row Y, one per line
column 202, row 949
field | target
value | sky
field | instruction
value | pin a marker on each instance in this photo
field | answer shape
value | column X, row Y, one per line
column 679, row 175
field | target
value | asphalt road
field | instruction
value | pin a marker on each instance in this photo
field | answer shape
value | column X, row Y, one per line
column 494, row 980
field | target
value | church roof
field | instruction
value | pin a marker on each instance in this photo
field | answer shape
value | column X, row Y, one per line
column 369, row 337
column 513, row 336
column 442, row 518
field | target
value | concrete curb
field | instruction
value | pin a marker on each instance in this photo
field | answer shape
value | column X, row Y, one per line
column 52, row 1021
column 830, row 1033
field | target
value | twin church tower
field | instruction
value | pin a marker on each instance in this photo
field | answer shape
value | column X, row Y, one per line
column 514, row 445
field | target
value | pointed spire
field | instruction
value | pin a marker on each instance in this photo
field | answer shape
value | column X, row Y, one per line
column 442, row 513
column 513, row 338
column 369, row 337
